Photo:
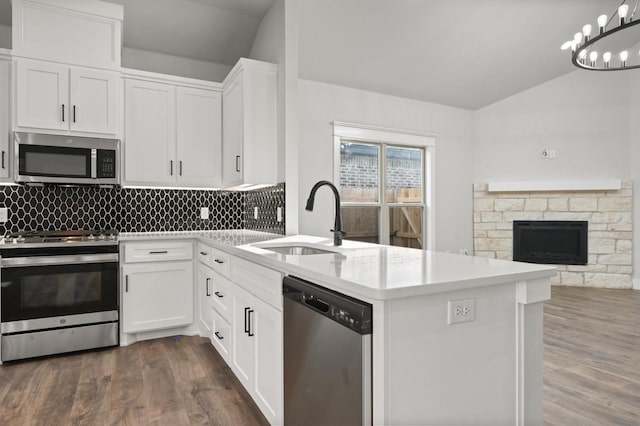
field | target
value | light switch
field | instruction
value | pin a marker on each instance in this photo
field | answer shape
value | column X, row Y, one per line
column 204, row 213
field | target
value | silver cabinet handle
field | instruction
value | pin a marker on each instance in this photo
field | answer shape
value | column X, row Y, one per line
column 159, row 252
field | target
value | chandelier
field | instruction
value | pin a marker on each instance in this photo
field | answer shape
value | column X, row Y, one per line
column 584, row 53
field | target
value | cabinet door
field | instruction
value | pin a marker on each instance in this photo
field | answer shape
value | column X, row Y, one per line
column 156, row 296
column 199, row 130
column 205, row 293
column 268, row 373
column 42, row 95
column 232, row 134
column 150, row 135
column 5, row 134
column 243, row 343
column 93, row 101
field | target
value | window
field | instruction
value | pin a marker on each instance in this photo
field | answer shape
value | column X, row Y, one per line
column 385, row 180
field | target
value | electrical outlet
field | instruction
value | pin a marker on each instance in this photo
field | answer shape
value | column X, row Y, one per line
column 255, row 213
column 204, row 213
column 463, row 310
column 4, row 214
column 552, row 153
column 279, row 214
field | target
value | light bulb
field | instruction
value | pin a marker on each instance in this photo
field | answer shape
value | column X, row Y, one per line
column 566, row 45
column 586, row 30
column 623, row 58
column 577, row 38
column 593, row 56
column 606, row 57
column 602, row 22
column 574, row 46
column 582, row 55
column 622, row 12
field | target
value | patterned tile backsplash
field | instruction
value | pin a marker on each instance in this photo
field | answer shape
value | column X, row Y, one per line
column 133, row 210
column 267, row 200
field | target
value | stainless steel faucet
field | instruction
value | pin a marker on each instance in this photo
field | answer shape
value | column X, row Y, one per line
column 338, row 233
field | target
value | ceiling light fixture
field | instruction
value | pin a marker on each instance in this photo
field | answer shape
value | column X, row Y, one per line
column 582, row 44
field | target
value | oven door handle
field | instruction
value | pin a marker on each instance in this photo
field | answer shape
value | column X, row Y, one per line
column 75, row 259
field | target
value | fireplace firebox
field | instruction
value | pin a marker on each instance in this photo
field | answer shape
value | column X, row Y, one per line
column 550, row 242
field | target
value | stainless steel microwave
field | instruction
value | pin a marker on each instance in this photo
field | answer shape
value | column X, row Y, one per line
column 71, row 160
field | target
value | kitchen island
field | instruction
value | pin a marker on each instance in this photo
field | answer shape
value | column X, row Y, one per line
column 432, row 364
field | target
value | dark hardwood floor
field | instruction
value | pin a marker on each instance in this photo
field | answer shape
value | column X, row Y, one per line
column 160, row 382
column 592, row 375
column 592, row 357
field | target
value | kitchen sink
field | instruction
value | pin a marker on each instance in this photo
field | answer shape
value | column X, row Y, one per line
column 297, row 250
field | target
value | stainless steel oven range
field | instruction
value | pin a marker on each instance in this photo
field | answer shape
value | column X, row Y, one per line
column 59, row 292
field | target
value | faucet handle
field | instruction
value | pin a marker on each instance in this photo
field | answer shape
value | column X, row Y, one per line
column 339, row 231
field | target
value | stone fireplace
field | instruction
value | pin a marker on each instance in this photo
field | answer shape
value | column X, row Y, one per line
column 607, row 213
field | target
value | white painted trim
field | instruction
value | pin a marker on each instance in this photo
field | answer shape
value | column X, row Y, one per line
column 534, row 186
column 248, row 64
column 365, row 132
column 636, row 283
column 89, row 7
column 133, row 74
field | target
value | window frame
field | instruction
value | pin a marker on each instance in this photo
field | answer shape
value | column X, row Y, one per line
column 384, row 137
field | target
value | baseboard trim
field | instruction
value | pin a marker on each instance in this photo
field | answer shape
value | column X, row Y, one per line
column 636, row 283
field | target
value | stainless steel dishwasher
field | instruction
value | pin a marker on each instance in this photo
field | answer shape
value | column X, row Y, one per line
column 327, row 356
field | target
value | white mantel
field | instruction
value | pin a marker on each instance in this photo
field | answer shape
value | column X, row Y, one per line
column 555, row 185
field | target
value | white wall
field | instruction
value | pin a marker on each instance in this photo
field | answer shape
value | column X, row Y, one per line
column 276, row 41
column 173, row 65
column 321, row 103
column 5, row 37
column 582, row 115
column 634, row 160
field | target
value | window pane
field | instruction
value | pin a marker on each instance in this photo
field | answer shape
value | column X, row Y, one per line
column 404, row 175
column 405, row 224
column 361, row 223
column 359, row 174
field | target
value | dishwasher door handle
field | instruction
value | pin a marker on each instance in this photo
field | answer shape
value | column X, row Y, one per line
column 317, row 304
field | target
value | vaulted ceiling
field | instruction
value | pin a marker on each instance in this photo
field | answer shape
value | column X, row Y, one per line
column 463, row 53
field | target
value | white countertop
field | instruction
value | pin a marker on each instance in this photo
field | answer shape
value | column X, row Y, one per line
column 365, row 270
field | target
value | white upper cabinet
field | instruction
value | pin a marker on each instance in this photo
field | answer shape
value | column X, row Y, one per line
column 42, row 95
column 93, row 101
column 199, row 130
column 150, row 137
column 65, row 99
column 172, row 134
column 79, row 32
column 249, row 122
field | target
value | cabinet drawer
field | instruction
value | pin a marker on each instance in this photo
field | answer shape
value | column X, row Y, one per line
column 216, row 259
column 157, row 251
column 221, row 300
column 220, row 335
column 263, row 282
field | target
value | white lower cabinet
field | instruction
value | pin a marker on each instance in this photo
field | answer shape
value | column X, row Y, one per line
column 205, row 290
column 256, row 353
column 157, row 285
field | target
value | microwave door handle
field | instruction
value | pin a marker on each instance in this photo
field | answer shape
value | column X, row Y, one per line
column 94, row 163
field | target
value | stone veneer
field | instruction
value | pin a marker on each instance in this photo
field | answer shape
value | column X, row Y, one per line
column 609, row 235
